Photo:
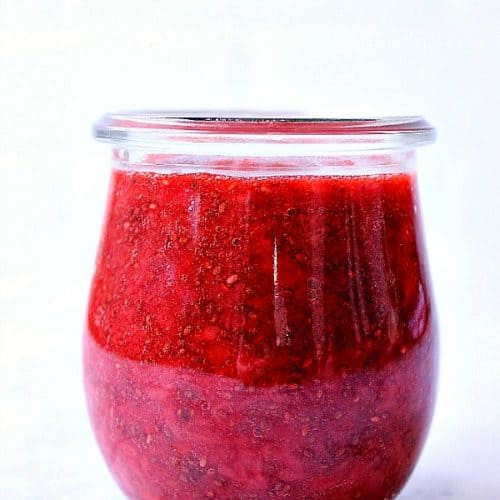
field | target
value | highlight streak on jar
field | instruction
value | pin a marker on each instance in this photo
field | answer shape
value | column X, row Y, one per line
column 280, row 315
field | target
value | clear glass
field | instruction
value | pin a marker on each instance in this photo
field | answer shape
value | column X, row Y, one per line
column 260, row 321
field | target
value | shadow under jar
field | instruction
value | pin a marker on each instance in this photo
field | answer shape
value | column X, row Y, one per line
column 260, row 322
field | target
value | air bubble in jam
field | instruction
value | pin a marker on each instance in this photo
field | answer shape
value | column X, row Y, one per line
column 281, row 345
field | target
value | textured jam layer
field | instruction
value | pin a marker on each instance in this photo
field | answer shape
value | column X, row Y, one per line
column 260, row 337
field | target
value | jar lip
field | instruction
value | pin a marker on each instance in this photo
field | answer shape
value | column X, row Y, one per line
column 165, row 130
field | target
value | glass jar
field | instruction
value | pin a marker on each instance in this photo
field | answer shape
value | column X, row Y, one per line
column 260, row 321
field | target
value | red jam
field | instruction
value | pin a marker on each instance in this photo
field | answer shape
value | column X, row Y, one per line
column 260, row 337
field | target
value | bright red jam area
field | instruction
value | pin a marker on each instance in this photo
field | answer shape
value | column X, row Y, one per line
column 260, row 337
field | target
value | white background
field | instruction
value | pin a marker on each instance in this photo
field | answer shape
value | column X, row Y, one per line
column 64, row 63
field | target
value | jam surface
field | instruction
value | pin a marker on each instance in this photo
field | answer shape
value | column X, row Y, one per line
column 260, row 337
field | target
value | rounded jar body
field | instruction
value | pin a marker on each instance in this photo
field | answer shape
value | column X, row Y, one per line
column 261, row 326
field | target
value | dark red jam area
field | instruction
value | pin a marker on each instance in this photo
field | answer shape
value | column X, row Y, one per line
column 261, row 337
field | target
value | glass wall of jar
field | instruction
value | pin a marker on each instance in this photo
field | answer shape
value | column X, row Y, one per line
column 260, row 321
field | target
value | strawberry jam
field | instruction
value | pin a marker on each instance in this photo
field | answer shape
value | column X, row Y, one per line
column 254, row 337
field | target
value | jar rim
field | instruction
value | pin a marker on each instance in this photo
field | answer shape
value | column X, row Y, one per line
column 173, row 131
